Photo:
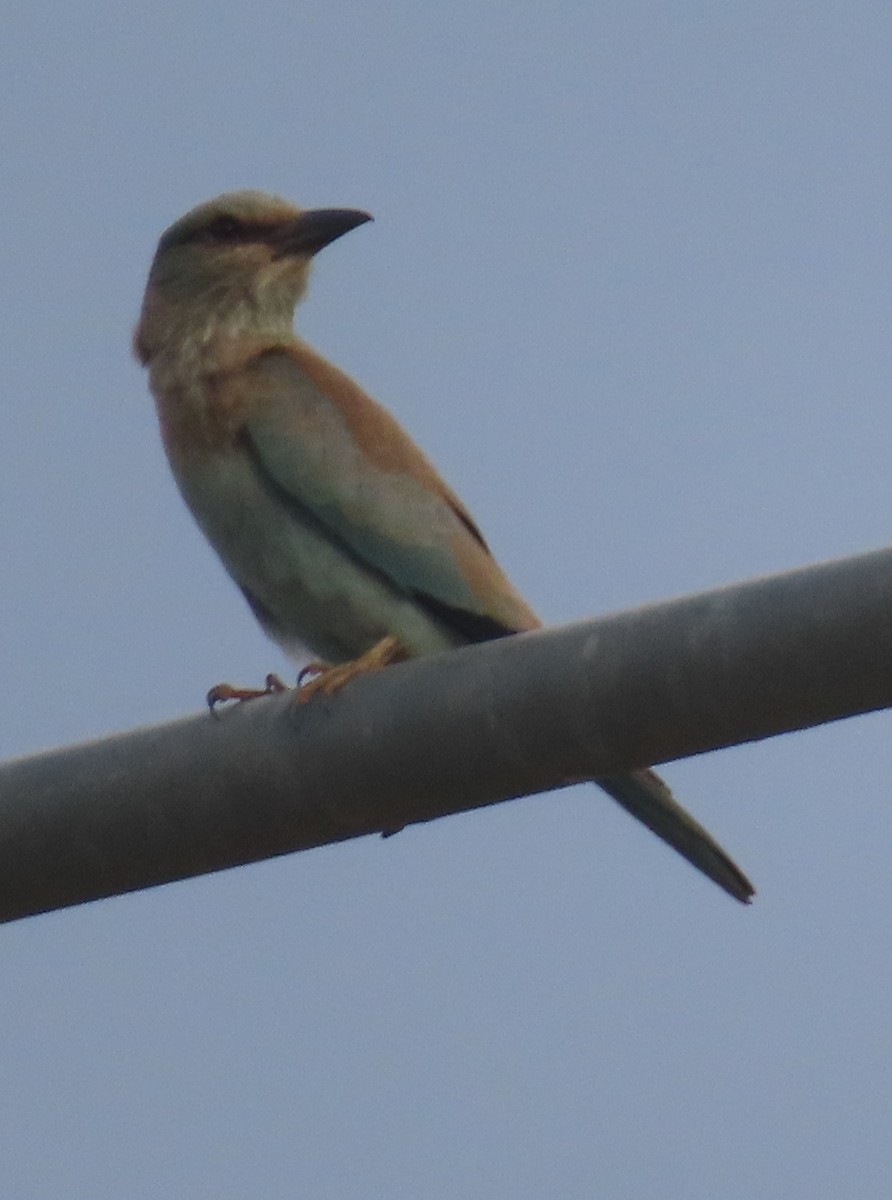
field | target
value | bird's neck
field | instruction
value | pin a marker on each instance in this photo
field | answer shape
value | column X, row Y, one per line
column 194, row 373
column 181, row 346
column 186, row 329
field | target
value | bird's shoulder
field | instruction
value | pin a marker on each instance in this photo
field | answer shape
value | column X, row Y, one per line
column 297, row 377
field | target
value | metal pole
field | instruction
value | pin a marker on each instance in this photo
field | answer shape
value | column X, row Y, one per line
column 447, row 734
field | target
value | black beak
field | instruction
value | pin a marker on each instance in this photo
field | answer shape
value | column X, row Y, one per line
column 314, row 230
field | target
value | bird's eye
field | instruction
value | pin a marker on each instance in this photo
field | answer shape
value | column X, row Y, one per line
column 224, row 229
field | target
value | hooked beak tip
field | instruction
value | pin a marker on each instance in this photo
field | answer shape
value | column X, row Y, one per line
column 312, row 231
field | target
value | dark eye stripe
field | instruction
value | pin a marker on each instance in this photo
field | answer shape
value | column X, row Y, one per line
column 222, row 230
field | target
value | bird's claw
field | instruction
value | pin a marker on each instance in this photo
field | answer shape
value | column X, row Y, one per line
column 222, row 692
column 330, row 679
column 327, row 679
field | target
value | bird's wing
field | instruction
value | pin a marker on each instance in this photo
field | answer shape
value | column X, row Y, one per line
column 331, row 451
column 328, row 449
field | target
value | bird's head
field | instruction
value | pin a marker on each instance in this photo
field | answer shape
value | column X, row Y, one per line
column 232, row 266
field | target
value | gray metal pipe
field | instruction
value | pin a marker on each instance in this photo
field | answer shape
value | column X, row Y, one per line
column 447, row 734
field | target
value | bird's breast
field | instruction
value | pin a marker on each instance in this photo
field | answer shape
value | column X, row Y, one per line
column 305, row 586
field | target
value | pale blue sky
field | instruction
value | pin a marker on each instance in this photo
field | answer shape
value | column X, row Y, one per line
column 628, row 284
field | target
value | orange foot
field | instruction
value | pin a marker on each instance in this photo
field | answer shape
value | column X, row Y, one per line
column 329, row 680
column 225, row 691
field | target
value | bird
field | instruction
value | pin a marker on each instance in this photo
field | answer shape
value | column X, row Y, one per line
column 342, row 536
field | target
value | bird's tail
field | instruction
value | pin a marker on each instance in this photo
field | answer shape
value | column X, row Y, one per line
column 646, row 796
